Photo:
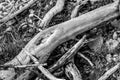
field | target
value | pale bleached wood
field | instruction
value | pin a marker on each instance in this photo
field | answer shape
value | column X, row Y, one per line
column 109, row 72
column 47, row 73
column 52, row 12
column 68, row 55
column 71, row 69
column 52, row 37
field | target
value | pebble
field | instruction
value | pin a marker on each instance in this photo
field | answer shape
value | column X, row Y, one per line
column 109, row 58
column 115, row 57
column 111, row 44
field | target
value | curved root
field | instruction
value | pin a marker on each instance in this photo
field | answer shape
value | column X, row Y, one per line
column 56, row 9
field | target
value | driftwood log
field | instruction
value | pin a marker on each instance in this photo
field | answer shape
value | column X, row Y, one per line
column 46, row 41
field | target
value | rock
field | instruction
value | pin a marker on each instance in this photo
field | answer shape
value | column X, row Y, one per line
column 112, row 44
column 7, row 74
column 116, row 23
column 115, row 36
column 109, row 58
column 96, row 44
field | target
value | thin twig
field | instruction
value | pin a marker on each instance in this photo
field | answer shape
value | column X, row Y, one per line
column 68, row 55
column 86, row 59
column 10, row 16
column 47, row 73
column 110, row 72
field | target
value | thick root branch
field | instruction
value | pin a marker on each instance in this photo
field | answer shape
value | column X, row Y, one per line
column 56, row 9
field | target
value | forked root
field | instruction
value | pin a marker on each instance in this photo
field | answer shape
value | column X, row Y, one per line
column 47, row 40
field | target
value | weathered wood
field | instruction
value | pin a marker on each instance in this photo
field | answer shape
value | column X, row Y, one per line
column 52, row 37
column 47, row 73
column 52, row 12
column 109, row 72
column 46, row 41
column 68, row 55
column 72, row 72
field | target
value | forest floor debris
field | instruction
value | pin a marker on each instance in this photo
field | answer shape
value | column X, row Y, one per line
column 21, row 20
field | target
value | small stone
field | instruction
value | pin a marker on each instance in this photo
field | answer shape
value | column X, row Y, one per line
column 112, row 44
column 46, row 7
column 96, row 44
column 51, row 2
column 31, row 15
column 114, row 35
column 115, row 57
column 7, row 74
column 109, row 58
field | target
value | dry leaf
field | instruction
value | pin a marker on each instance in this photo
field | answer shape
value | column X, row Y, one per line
column 96, row 44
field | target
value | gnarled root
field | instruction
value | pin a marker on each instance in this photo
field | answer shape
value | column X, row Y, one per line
column 47, row 40
column 56, row 9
